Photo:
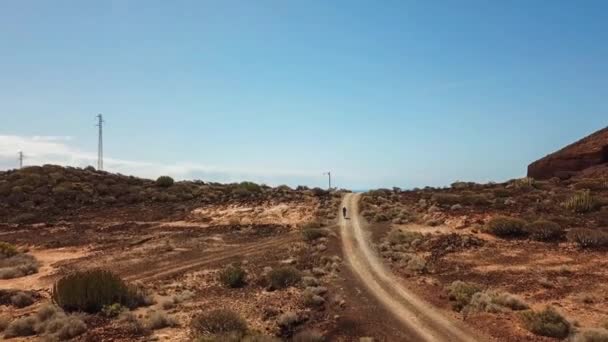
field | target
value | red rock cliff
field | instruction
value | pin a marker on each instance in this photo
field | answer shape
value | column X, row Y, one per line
column 589, row 152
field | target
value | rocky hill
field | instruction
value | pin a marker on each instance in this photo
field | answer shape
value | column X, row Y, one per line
column 41, row 193
column 587, row 157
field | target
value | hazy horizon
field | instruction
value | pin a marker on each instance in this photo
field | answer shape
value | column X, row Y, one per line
column 405, row 94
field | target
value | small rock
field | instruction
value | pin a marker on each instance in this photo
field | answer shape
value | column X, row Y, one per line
column 456, row 207
column 290, row 261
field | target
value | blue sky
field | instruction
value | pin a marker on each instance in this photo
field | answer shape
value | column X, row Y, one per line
column 403, row 93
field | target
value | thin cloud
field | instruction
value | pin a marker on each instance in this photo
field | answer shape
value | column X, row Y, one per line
column 40, row 150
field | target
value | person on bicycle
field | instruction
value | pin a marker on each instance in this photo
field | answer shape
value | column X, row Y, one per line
column 344, row 212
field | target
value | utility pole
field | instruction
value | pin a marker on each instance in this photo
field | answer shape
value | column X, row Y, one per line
column 328, row 173
column 100, row 143
column 20, row 159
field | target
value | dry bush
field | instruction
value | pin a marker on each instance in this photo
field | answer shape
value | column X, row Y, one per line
column 592, row 335
column 131, row 323
column 158, row 320
column 588, row 238
column 308, row 336
column 491, row 301
column 218, row 322
column 399, row 237
column 233, row 276
column 5, row 320
column 461, row 294
column 90, row 291
column 504, row 226
column 22, row 299
column 311, row 234
column 24, row 326
column 18, row 265
column 543, row 230
column 591, row 184
column 581, row 202
column 547, row 322
column 283, row 277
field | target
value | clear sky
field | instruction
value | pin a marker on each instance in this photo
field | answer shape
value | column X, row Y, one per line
column 382, row 93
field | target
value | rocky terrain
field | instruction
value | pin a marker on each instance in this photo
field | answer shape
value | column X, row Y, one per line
column 198, row 261
column 498, row 254
column 587, row 157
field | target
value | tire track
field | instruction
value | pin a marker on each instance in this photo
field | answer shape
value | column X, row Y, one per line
column 170, row 270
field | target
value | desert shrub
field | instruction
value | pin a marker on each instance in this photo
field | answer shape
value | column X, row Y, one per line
column 526, row 182
column 164, row 181
column 5, row 320
column 287, row 322
column 590, row 184
column 504, row 226
column 250, row 186
column 24, row 326
column 510, row 301
column 311, row 234
column 90, row 291
column 581, row 202
column 218, row 322
column 588, row 238
column 461, row 293
column 64, row 327
column 112, row 310
column 501, row 193
column 447, row 199
column 158, row 320
column 7, row 250
column 416, row 264
column 491, row 301
column 543, row 230
column 22, row 299
column 592, row 335
column 308, row 336
column 547, row 322
column 283, row 277
column 233, row 276
column 399, row 237
column 131, row 323
column 311, row 299
column 18, row 265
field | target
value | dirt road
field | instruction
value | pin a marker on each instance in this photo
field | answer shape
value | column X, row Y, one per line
column 421, row 321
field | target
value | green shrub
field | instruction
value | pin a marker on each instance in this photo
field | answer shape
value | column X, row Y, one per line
column 588, row 238
column 581, row 202
column 547, row 322
column 7, row 250
column 112, row 310
column 283, row 277
column 311, row 234
column 461, row 293
column 90, row 291
column 543, row 230
column 504, row 226
column 233, row 276
column 218, row 322
column 164, row 181
column 250, row 187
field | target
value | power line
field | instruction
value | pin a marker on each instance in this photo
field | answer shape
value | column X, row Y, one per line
column 100, row 142
column 20, row 159
column 328, row 173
